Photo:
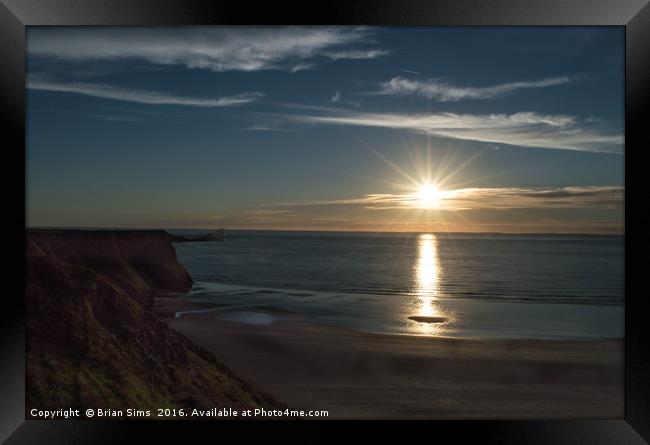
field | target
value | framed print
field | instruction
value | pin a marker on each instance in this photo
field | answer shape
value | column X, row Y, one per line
column 402, row 217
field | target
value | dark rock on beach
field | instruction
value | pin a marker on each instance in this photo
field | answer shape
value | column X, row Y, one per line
column 428, row 319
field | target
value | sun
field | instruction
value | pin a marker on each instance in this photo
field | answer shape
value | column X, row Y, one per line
column 428, row 196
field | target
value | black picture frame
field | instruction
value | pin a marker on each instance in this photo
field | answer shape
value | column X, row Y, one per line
column 634, row 15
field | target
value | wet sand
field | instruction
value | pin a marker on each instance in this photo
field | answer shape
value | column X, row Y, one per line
column 360, row 375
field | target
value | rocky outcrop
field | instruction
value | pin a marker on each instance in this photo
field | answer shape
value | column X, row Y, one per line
column 92, row 340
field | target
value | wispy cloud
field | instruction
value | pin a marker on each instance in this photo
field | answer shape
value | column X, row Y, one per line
column 214, row 48
column 493, row 198
column 356, row 54
column 140, row 96
column 525, row 129
column 438, row 89
column 594, row 209
column 258, row 127
column 266, row 126
column 337, row 98
column 407, row 71
column 535, row 198
column 114, row 118
column 269, row 215
column 301, row 67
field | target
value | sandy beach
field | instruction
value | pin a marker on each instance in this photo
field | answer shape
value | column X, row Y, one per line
column 361, row 375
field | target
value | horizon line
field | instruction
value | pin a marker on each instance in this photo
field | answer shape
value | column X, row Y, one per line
column 433, row 232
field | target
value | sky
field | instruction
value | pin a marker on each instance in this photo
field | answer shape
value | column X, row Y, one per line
column 424, row 129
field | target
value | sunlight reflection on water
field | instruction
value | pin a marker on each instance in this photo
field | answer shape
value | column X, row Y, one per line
column 427, row 280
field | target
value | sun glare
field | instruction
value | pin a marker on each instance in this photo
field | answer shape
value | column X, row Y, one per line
column 428, row 196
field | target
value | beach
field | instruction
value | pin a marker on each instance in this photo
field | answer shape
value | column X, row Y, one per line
column 357, row 375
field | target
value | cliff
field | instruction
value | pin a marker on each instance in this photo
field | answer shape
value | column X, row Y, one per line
column 92, row 340
column 140, row 262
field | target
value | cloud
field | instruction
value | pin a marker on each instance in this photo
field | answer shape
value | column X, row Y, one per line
column 301, row 67
column 247, row 217
column 358, row 54
column 586, row 209
column 440, row 90
column 525, row 129
column 258, row 127
column 593, row 209
column 114, row 118
column 494, row 198
column 265, row 126
column 539, row 197
column 408, row 71
column 338, row 98
column 213, row 48
column 139, row 96
column 269, row 215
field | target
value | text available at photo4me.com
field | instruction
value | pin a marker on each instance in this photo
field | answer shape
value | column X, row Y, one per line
column 72, row 413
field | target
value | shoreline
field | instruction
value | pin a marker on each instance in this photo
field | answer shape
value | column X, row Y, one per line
column 366, row 375
column 456, row 317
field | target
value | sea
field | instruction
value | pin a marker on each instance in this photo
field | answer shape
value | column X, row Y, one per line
column 433, row 284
